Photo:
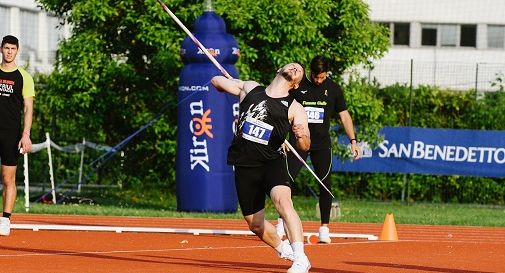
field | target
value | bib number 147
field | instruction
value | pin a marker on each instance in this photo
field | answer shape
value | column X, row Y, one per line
column 257, row 131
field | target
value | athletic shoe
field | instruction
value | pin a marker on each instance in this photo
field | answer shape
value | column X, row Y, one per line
column 280, row 228
column 286, row 251
column 301, row 264
column 324, row 235
column 5, row 226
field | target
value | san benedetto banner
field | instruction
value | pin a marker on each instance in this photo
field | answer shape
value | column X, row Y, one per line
column 432, row 151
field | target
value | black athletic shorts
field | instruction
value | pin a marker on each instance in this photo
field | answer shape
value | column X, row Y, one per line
column 9, row 152
column 253, row 183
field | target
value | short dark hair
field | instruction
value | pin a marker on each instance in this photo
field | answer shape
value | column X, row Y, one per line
column 9, row 39
column 318, row 65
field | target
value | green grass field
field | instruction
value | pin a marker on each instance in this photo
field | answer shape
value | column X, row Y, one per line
column 153, row 203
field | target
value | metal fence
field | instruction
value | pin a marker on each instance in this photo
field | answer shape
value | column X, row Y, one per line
column 450, row 75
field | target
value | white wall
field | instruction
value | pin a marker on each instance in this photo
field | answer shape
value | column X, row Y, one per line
column 27, row 4
column 451, row 67
column 36, row 54
column 438, row 11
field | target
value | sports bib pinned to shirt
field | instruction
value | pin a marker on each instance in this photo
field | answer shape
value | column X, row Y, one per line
column 315, row 114
column 257, row 131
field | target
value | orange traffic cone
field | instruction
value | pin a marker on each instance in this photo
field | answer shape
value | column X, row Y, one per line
column 388, row 232
column 312, row 239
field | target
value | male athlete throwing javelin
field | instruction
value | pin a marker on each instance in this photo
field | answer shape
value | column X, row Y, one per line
column 266, row 117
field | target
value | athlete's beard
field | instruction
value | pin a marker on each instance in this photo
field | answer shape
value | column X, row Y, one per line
column 286, row 75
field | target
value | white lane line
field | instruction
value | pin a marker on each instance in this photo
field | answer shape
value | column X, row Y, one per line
column 76, row 253
column 72, row 253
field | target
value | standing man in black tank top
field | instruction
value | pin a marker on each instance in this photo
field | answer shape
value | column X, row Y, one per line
column 321, row 98
column 16, row 96
column 266, row 117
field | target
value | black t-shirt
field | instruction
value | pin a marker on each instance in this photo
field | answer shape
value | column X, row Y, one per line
column 261, row 129
column 14, row 85
column 320, row 103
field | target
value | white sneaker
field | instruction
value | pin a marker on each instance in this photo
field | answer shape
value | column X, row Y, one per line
column 324, row 235
column 301, row 264
column 280, row 228
column 286, row 251
column 5, row 226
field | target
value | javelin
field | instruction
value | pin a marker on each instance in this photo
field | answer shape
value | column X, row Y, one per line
column 307, row 166
column 225, row 73
column 193, row 38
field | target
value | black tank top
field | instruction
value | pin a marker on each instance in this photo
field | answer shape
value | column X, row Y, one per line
column 261, row 129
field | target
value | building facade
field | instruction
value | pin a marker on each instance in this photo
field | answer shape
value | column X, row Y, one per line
column 37, row 31
column 458, row 44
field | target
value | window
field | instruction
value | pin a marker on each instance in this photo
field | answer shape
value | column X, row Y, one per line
column 448, row 35
column 29, row 37
column 4, row 26
column 401, row 33
column 55, row 35
column 495, row 36
column 429, row 35
column 468, row 35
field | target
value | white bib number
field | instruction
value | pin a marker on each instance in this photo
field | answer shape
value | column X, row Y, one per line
column 257, row 131
column 315, row 115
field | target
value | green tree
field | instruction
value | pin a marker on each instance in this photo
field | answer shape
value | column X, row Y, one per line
column 121, row 64
column 272, row 33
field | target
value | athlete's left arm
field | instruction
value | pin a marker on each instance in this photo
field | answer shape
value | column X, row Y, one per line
column 25, row 141
column 298, row 117
column 28, row 95
column 346, row 119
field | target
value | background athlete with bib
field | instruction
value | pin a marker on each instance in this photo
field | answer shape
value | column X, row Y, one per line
column 267, row 114
column 321, row 98
column 16, row 97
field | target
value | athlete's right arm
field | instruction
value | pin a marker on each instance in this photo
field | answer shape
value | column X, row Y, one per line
column 233, row 86
column 298, row 117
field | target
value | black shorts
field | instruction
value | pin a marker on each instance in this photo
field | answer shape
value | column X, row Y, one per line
column 253, row 183
column 9, row 152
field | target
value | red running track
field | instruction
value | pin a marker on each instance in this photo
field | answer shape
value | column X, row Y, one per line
column 437, row 249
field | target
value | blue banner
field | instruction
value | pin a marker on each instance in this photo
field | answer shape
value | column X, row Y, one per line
column 432, row 151
column 206, row 118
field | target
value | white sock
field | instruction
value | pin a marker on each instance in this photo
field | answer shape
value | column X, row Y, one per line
column 279, row 247
column 298, row 248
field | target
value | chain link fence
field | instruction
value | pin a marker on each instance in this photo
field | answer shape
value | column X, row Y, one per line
column 450, row 75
